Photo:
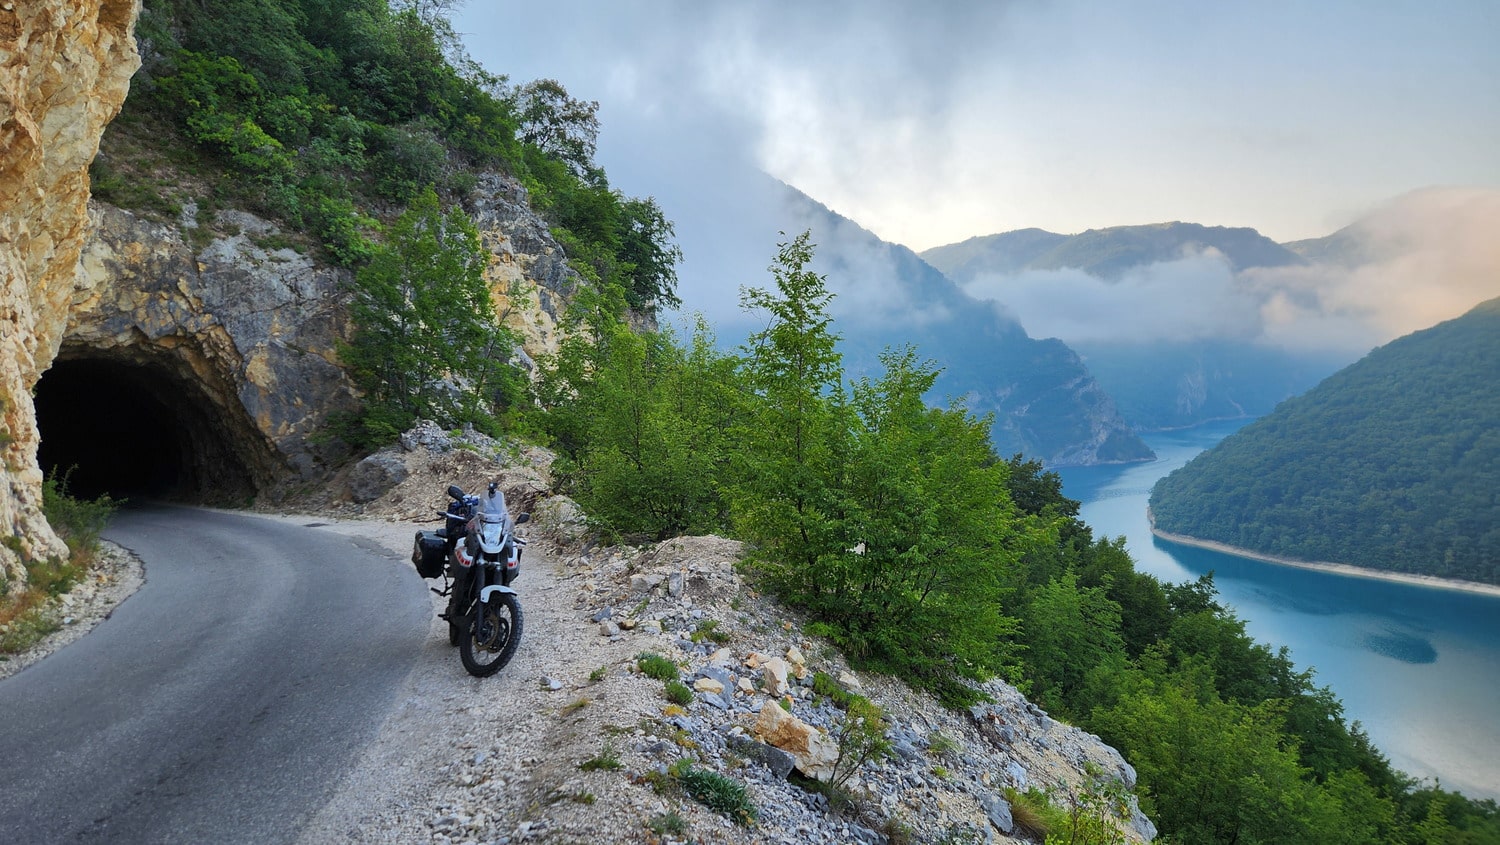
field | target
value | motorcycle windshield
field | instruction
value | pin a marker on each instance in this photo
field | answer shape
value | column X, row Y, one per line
column 492, row 508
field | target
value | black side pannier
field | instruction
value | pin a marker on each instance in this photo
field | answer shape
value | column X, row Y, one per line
column 428, row 554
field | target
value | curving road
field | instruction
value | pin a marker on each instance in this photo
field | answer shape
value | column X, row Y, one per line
column 224, row 700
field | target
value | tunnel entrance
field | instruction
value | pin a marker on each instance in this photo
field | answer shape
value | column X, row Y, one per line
column 137, row 430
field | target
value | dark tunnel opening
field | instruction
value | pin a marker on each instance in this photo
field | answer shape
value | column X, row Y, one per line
column 135, row 431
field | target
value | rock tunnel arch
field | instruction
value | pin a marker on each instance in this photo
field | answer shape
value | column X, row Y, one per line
column 143, row 422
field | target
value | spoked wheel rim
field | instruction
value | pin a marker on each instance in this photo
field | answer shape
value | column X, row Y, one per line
column 488, row 636
column 491, row 630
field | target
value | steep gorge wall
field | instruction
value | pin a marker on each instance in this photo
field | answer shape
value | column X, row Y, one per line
column 65, row 67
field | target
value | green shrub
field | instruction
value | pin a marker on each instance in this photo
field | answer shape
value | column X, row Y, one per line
column 678, row 693
column 653, row 665
column 715, row 791
column 707, row 629
column 608, row 760
column 77, row 521
column 861, row 738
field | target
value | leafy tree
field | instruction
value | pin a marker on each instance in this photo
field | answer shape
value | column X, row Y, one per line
column 647, row 249
column 560, row 126
column 646, row 421
column 790, row 442
column 1068, row 630
column 425, row 343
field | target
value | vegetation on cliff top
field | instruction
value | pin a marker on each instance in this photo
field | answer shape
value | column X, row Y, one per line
column 337, row 119
column 332, row 116
column 1391, row 463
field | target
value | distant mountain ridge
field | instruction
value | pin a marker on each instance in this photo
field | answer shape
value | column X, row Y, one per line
column 1160, row 383
column 1107, row 253
column 1046, row 403
column 1391, row 463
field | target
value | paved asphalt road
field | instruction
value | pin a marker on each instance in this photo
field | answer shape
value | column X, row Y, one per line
column 223, row 701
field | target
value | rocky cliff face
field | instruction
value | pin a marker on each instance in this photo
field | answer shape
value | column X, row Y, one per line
column 65, row 67
column 239, row 334
column 235, row 334
column 530, row 281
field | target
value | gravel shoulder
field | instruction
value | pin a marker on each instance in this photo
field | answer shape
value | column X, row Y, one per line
column 114, row 577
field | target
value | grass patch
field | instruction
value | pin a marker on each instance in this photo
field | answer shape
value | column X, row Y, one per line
column 607, row 761
column 667, row 824
column 940, row 744
column 598, row 674
column 708, row 629
column 678, row 693
column 653, row 665
column 715, row 791
column 574, row 706
column 824, row 684
column 1033, row 815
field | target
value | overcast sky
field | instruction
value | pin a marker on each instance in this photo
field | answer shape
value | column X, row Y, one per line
column 931, row 122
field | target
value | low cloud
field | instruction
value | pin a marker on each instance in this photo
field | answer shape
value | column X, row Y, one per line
column 1191, row 298
column 1423, row 258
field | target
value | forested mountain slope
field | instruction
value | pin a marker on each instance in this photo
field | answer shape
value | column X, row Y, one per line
column 1392, row 463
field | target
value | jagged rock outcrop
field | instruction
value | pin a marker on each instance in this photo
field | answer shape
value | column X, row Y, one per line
column 530, row 280
column 65, row 67
column 250, row 327
column 247, row 328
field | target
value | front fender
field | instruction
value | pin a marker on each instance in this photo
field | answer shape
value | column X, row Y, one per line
column 487, row 592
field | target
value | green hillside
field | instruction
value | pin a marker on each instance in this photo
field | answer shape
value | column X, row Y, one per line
column 1392, row 463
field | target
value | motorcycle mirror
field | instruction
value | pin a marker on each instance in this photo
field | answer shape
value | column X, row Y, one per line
column 455, row 492
column 525, row 517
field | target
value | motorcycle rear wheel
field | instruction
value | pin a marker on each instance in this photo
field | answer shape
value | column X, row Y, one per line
column 487, row 638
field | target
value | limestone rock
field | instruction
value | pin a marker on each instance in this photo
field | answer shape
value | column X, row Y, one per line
column 644, row 582
column 375, row 475
column 998, row 810
column 65, row 66
column 774, row 671
column 814, row 752
column 246, row 331
column 779, row 762
column 560, row 517
column 428, row 435
column 708, row 685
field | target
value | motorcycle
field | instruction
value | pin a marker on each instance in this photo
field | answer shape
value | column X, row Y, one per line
column 478, row 548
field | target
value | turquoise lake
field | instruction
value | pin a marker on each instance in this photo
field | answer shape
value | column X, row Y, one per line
column 1419, row 667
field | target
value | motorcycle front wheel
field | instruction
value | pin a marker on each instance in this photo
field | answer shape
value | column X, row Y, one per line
column 487, row 638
